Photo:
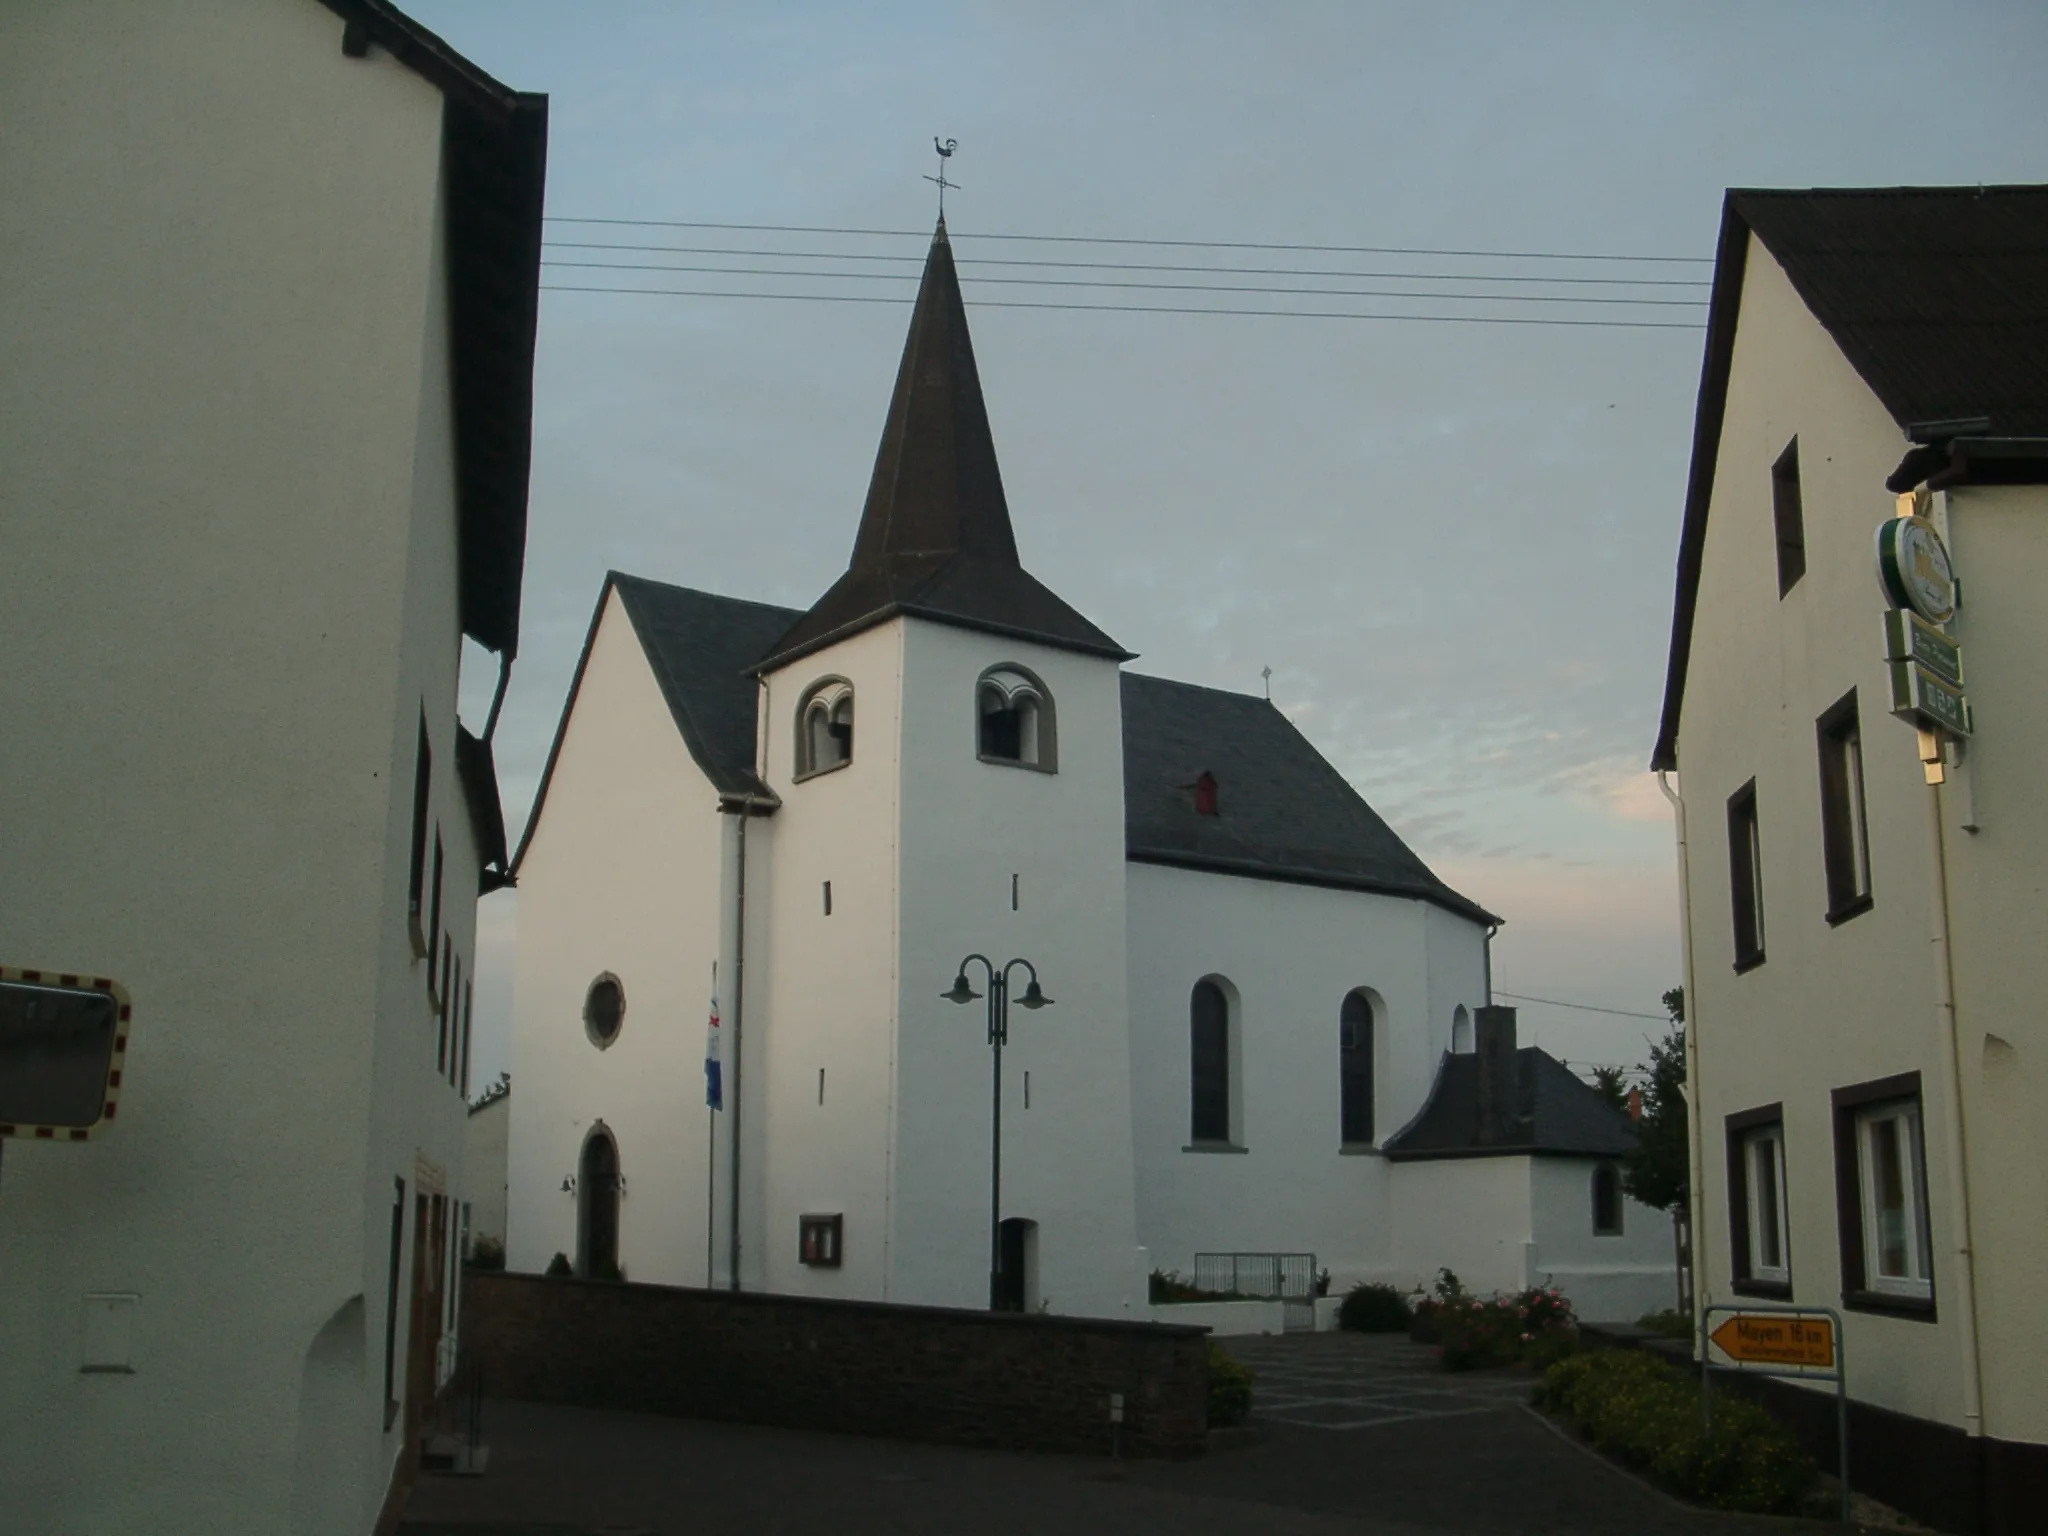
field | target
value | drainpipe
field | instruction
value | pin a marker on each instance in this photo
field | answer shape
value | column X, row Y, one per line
column 739, row 1009
column 1696, row 1131
column 1952, row 1095
column 1491, row 930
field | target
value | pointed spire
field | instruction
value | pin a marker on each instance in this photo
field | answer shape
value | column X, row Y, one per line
column 935, row 537
column 936, row 488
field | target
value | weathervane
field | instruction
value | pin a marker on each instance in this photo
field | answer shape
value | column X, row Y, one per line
column 945, row 150
column 1267, row 674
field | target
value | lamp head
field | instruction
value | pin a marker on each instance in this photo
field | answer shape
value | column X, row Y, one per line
column 961, row 992
column 1033, row 997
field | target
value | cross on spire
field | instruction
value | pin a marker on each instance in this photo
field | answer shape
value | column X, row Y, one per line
column 945, row 150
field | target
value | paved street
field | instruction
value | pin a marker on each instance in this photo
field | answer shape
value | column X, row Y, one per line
column 1357, row 1436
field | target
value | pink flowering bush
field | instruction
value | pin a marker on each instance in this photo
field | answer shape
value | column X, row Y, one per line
column 1536, row 1327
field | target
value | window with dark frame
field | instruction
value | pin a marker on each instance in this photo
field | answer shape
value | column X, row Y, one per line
column 391, row 1404
column 1606, row 1200
column 1844, row 827
column 1209, row 1042
column 1759, row 1228
column 1354, row 1070
column 1746, row 877
column 1789, row 518
column 818, row 1240
column 1881, row 1206
column 444, row 1050
column 468, row 1017
column 434, row 975
column 416, row 880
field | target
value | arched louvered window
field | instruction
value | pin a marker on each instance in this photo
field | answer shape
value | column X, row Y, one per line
column 1354, row 1068
column 824, row 727
column 1209, row 1062
column 1014, row 721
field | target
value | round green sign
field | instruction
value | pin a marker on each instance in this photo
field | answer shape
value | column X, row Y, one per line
column 1913, row 567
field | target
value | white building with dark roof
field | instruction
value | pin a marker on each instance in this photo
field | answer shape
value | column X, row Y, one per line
column 267, row 303
column 806, row 820
column 1863, row 894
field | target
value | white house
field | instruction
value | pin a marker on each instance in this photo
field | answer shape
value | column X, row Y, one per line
column 1254, row 983
column 1863, row 897
column 267, row 298
column 486, row 1149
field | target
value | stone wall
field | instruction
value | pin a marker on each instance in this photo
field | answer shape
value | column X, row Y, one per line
column 1001, row 1380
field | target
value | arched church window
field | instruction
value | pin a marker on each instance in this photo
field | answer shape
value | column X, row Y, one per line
column 824, row 727
column 1014, row 720
column 1461, row 1031
column 1354, row 1068
column 1209, row 1043
column 1606, row 1201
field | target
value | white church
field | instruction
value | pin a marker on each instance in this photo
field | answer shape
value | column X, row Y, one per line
column 1263, row 1006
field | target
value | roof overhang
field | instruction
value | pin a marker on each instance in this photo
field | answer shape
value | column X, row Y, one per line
column 494, row 156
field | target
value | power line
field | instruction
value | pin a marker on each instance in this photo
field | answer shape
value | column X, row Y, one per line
column 1623, row 1013
column 1072, row 282
column 1150, row 309
column 1141, row 266
column 1211, row 245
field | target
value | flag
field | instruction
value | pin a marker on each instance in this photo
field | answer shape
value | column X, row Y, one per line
column 714, row 1082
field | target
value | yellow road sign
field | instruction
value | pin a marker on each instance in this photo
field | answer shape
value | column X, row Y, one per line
column 1763, row 1338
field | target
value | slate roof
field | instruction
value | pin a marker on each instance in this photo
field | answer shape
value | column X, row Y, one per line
column 1283, row 813
column 935, row 537
column 1557, row 1115
column 1937, row 296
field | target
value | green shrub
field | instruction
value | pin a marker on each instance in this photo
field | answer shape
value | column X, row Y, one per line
column 559, row 1266
column 1667, row 1324
column 1535, row 1328
column 1636, row 1407
column 1167, row 1289
column 1230, row 1389
column 487, row 1253
column 1374, row 1309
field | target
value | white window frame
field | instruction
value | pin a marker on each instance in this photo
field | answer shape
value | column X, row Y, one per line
column 1753, row 1141
column 1918, row 1281
column 1009, row 686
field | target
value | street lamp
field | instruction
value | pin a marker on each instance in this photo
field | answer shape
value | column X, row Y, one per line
column 1034, row 998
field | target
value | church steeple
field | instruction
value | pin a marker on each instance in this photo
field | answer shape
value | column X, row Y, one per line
column 935, row 537
column 936, row 487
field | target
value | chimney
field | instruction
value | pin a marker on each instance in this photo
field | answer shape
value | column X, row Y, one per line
column 1499, row 1096
column 1635, row 1105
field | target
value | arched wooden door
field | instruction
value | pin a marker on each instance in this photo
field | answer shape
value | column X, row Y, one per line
column 597, row 1184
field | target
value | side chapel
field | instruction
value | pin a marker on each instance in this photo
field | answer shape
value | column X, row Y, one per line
column 802, row 822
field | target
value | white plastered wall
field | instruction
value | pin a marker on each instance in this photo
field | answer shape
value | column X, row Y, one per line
column 1830, row 1006
column 967, row 828
column 626, row 873
column 1608, row 1277
column 1291, row 954
column 229, row 587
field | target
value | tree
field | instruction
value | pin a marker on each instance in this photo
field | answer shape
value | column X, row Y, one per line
column 1659, row 1171
column 1611, row 1083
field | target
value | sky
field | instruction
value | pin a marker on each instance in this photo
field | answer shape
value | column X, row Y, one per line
column 1453, row 543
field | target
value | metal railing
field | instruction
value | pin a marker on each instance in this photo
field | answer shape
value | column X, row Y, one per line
column 1289, row 1278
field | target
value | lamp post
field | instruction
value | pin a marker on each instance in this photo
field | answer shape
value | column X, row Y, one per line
column 998, row 1035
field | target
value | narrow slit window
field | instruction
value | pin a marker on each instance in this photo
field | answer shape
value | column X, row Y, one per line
column 1354, row 1070
column 434, row 973
column 1845, row 832
column 1209, row 1045
column 1789, row 518
column 416, row 880
column 468, row 1018
column 828, row 898
column 1745, row 877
